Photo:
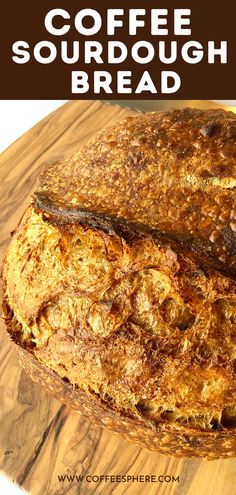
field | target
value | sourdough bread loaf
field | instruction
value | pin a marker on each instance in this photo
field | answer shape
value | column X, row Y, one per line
column 119, row 283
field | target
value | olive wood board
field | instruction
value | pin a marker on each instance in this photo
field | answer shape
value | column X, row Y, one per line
column 41, row 439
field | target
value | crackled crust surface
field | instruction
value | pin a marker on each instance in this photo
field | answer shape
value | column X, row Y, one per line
column 142, row 327
column 172, row 172
column 165, row 438
column 111, row 293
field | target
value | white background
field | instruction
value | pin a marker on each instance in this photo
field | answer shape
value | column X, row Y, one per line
column 17, row 116
column 9, row 488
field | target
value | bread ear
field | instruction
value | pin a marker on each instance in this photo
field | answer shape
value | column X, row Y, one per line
column 168, row 173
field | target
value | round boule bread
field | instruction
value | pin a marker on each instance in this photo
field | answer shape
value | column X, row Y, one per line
column 119, row 288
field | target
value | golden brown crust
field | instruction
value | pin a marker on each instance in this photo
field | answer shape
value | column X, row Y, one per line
column 133, row 323
column 190, row 443
column 184, row 442
column 171, row 172
column 102, row 288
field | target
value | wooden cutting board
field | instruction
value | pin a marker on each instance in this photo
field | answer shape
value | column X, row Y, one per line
column 40, row 439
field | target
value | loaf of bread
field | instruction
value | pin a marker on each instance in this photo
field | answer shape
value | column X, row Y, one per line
column 119, row 283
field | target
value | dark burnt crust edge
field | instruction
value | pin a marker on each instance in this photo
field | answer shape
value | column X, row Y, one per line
column 57, row 214
column 166, row 440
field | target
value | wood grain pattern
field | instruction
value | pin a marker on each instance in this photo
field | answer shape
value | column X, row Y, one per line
column 40, row 438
